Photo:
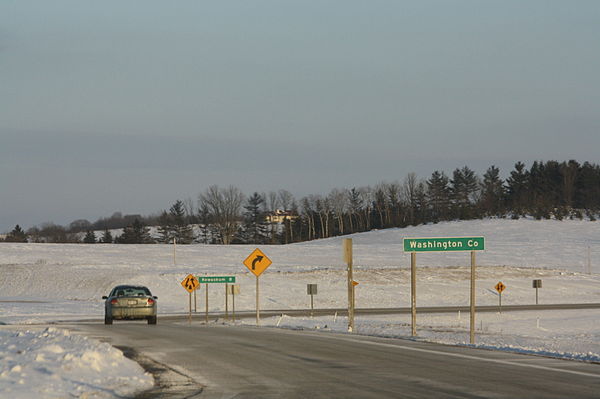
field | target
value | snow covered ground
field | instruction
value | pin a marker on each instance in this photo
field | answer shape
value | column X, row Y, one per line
column 52, row 363
column 41, row 283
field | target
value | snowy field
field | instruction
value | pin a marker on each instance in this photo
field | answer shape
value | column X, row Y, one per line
column 42, row 283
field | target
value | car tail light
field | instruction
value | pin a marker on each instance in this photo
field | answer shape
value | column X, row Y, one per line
column 150, row 301
column 114, row 301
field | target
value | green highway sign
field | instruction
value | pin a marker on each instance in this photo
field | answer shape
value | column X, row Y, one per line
column 444, row 244
column 216, row 279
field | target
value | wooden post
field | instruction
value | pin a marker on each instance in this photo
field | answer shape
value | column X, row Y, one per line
column 348, row 258
column 233, row 304
column 413, row 293
column 206, row 313
column 226, row 302
column 472, row 332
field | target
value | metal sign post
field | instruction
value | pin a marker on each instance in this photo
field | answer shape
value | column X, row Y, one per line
column 257, row 262
column 311, row 290
column 190, row 283
column 257, row 304
column 537, row 284
column 500, row 287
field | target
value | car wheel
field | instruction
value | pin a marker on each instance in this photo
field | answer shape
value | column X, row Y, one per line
column 107, row 319
column 152, row 320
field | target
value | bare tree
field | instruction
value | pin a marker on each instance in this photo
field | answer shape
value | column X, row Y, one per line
column 339, row 203
column 409, row 193
column 224, row 206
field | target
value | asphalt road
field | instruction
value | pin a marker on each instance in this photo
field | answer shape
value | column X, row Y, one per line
column 219, row 361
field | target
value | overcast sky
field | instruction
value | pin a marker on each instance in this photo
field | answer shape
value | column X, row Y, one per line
column 130, row 105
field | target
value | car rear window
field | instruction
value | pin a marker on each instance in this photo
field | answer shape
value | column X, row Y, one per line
column 131, row 291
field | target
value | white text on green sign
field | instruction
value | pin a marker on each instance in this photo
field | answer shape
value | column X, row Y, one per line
column 444, row 244
column 216, row 279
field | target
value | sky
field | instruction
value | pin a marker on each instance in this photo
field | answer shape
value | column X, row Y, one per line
column 130, row 105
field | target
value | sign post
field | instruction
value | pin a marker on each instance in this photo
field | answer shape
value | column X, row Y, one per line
column 234, row 289
column 311, row 289
column 218, row 280
column 500, row 287
column 348, row 259
column 190, row 283
column 413, row 293
column 537, row 284
column 442, row 244
column 257, row 262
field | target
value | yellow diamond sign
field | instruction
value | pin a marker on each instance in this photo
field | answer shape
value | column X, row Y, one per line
column 190, row 283
column 257, row 262
column 500, row 287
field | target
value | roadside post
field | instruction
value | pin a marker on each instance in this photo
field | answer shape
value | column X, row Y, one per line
column 311, row 289
column 226, row 301
column 233, row 289
column 257, row 262
column 190, row 283
column 500, row 287
column 215, row 280
column 537, row 284
column 347, row 242
column 442, row 244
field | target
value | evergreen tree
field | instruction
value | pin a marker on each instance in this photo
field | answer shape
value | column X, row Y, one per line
column 438, row 194
column 492, row 192
column 255, row 227
column 173, row 225
column 165, row 230
column 464, row 190
column 136, row 233
column 107, row 237
column 517, row 190
column 16, row 235
column 90, row 237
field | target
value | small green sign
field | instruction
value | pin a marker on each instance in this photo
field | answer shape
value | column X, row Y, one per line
column 444, row 244
column 216, row 279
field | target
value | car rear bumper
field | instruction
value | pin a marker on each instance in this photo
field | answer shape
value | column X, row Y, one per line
column 118, row 312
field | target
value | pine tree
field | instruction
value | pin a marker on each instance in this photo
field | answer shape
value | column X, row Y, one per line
column 464, row 188
column 16, row 235
column 107, row 237
column 438, row 194
column 173, row 225
column 136, row 233
column 90, row 237
column 165, row 231
column 255, row 228
column 517, row 187
column 492, row 192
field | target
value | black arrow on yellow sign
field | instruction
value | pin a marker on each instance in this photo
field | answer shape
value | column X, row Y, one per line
column 256, row 260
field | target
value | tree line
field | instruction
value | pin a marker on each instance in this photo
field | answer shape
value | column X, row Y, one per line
column 545, row 190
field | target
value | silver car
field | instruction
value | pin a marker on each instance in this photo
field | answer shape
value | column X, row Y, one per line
column 130, row 302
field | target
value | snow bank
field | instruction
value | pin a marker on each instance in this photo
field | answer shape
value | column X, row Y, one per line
column 52, row 363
